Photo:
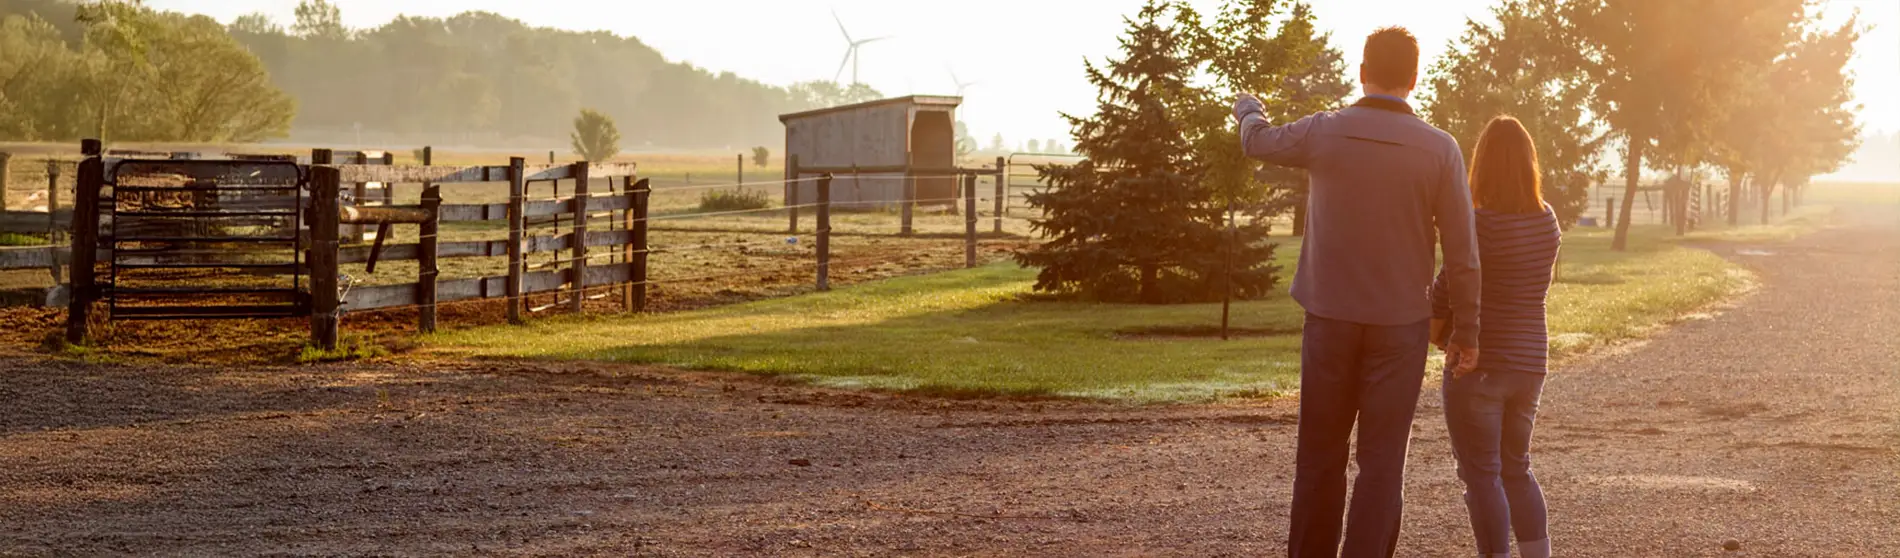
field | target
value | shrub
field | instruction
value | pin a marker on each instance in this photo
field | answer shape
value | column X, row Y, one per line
column 734, row 200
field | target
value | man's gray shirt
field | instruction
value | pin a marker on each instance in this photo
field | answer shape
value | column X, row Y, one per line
column 1386, row 187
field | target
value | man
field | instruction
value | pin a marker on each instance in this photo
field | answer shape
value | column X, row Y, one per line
column 1384, row 185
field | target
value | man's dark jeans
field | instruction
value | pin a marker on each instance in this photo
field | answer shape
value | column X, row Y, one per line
column 1354, row 372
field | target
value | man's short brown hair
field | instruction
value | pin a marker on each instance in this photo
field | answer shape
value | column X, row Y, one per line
column 1391, row 59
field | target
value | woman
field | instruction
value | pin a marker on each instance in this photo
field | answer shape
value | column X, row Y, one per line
column 1490, row 410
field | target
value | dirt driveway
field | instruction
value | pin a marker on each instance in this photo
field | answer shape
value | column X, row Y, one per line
column 1774, row 423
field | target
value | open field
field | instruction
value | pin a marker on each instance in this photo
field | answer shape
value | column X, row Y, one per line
column 1736, row 427
column 972, row 332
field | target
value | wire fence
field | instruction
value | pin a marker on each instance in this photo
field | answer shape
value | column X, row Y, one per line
column 698, row 257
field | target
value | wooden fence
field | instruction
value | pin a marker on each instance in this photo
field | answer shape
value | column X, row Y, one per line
column 599, row 240
column 573, row 277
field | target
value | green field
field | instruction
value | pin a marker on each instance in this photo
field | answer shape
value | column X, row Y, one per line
column 976, row 332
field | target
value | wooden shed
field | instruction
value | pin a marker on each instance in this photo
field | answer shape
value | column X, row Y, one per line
column 917, row 131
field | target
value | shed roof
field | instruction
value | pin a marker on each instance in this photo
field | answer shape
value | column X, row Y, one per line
column 929, row 100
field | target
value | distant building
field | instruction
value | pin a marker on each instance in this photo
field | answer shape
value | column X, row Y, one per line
column 919, row 131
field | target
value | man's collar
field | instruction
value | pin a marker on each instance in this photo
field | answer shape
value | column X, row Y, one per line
column 1386, row 103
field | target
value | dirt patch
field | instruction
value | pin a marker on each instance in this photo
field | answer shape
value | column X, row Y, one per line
column 711, row 279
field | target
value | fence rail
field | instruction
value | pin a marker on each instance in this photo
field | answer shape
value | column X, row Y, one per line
column 570, row 279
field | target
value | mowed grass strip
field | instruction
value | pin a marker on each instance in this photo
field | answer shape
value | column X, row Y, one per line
column 974, row 332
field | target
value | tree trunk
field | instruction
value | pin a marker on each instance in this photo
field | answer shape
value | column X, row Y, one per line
column 1299, row 219
column 1735, row 177
column 1767, row 191
column 1679, row 206
column 1788, row 192
column 1150, row 284
column 1633, row 174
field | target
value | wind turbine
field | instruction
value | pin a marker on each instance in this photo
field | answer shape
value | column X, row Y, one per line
column 961, row 85
column 850, row 52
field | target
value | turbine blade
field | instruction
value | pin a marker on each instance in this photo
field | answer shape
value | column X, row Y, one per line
column 870, row 40
column 847, row 34
column 842, row 63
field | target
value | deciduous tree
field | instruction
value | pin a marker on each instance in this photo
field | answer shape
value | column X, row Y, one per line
column 1515, row 66
column 595, row 137
column 1657, row 73
column 1270, row 48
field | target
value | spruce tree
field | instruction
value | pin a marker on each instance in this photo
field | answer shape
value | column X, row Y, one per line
column 1137, row 220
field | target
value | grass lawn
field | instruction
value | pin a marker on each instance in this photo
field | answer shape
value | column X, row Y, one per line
column 972, row 331
column 1799, row 221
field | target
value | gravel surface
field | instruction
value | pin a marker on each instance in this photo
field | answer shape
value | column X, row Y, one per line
column 1772, row 425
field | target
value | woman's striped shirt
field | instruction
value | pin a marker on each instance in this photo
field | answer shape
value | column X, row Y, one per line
column 1516, row 253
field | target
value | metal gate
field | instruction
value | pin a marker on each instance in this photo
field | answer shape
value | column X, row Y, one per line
column 204, row 239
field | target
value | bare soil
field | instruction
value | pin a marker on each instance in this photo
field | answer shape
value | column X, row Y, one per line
column 1773, row 424
column 684, row 281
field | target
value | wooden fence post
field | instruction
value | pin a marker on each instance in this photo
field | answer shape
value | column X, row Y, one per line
column 428, row 271
column 85, row 252
column 1002, row 192
column 52, row 200
column 389, row 188
column 52, row 217
column 791, row 192
column 577, row 247
column 359, row 196
column 741, row 172
column 969, row 220
column 517, row 194
column 633, row 297
column 6, row 160
column 910, row 199
column 823, row 246
column 1609, row 212
column 325, row 193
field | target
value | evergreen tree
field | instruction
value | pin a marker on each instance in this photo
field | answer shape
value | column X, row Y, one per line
column 1137, row 219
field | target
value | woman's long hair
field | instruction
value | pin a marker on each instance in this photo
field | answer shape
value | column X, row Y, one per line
column 1504, row 174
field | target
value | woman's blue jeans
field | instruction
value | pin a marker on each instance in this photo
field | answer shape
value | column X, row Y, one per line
column 1489, row 416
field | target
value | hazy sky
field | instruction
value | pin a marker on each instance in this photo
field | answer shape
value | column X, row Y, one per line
column 1026, row 54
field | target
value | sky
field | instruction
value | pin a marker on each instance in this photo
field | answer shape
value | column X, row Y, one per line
column 1025, row 56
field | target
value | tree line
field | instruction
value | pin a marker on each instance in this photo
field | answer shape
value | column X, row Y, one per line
column 1754, row 91
column 477, row 77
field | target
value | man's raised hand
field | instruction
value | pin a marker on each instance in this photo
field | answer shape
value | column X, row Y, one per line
column 1245, row 104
